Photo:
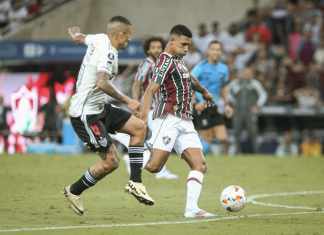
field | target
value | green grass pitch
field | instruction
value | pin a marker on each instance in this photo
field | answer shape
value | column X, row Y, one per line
column 31, row 198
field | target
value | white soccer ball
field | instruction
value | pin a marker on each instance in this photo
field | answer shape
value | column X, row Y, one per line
column 233, row 198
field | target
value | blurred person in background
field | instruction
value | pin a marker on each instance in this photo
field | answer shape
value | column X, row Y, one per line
column 311, row 145
column 215, row 30
column 53, row 118
column 247, row 96
column 319, row 54
column 307, row 48
column 18, row 14
column 265, row 68
column 281, row 95
column 193, row 57
column 307, row 96
column 214, row 74
column 287, row 146
column 280, row 23
column 4, row 129
column 295, row 75
column 259, row 27
column 249, row 51
column 294, row 40
column 5, row 7
column 232, row 40
column 203, row 38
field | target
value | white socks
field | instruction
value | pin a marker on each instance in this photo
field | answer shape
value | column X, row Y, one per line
column 194, row 185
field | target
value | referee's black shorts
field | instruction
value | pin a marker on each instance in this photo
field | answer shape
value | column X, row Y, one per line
column 208, row 118
column 93, row 129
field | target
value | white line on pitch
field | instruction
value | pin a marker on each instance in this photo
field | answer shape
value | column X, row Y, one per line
column 252, row 199
column 71, row 227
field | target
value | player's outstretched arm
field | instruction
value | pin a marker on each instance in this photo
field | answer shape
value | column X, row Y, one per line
column 104, row 84
column 136, row 89
column 76, row 34
column 147, row 99
column 198, row 87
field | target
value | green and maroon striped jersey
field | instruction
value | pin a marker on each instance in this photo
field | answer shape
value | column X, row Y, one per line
column 175, row 83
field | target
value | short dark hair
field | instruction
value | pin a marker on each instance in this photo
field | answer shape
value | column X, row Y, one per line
column 180, row 30
column 214, row 42
column 147, row 43
column 120, row 19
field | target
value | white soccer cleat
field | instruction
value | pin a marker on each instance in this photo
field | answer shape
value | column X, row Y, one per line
column 198, row 214
column 138, row 190
column 75, row 201
column 166, row 174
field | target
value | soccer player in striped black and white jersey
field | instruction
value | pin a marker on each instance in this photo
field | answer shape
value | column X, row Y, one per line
column 93, row 118
column 172, row 118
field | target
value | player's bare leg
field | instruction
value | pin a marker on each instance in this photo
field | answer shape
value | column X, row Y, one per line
column 220, row 133
column 108, row 163
column 207, row 135
column 157, row 160
column 196, row 161
column 136, row 129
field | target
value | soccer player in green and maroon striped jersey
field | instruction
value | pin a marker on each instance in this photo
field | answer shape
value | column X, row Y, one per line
column 173, row 127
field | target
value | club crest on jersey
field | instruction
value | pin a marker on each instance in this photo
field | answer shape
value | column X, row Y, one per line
column 166, row 140
column 111, row 56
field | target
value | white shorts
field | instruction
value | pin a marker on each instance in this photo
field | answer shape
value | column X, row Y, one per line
column 173, row 132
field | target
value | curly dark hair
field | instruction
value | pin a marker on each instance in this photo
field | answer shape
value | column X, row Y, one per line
column 147, row 43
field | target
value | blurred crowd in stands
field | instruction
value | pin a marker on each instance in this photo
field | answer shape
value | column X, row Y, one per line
column 13, row 13
column 282, row 45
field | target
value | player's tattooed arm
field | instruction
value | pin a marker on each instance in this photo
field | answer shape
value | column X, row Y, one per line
column 198, row 87
column 104, row 84
column 147, row 99
column 136, row 89
column 76, row 35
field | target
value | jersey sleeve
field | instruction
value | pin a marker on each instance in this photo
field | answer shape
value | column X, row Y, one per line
column 162, row 69
column 142, row 71
column 106, row 56
column 89, row 39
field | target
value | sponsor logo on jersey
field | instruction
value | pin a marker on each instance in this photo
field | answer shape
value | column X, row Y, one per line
column 166, row 140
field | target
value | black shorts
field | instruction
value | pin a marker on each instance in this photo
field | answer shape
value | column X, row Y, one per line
column 208, row 118
column 93, row 129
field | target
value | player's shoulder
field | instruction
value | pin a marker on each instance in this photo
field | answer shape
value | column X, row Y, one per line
column 148, row 61
column 221, row 65
column 165, row 55
column 201, row 64
column 103, row 41
column 99, row 37
column 165, row 59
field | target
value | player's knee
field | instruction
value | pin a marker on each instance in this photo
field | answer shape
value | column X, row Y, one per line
column 202, row 167
column 153, row 168
column 139, row 129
